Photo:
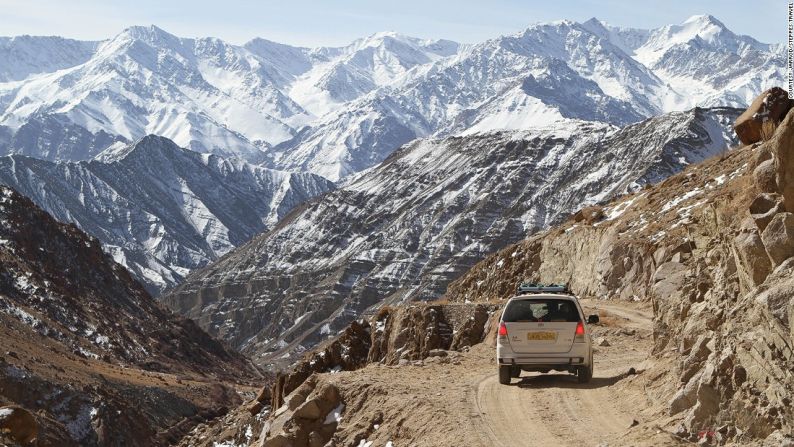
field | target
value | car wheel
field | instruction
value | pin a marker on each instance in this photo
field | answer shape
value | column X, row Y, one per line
column 504, row 374
column 584, row 374
column 515, row 372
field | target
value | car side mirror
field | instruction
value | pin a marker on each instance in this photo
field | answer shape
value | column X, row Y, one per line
column 593, row 319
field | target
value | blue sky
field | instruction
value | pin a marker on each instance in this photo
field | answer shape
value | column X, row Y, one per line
column 337, row 22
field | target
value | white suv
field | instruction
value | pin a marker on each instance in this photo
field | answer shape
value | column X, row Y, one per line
column 543, row 329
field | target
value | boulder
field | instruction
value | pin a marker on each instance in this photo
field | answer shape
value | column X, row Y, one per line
column 280, row 440
column 778, row 238
column 255, row 407
column 686, row 397
column 753, row 261
column 589, row 215
column 764, row 208
column 762, row 154
column 18, row 424
column 765, row 176
column 308, row 410
column 329, row 393
column 770, row 105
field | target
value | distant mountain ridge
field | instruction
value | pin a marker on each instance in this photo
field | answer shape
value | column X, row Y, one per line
column 161, row 210
column 338, row 111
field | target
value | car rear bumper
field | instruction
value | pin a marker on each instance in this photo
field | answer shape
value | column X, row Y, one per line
column 579, row 354
column 550, row 362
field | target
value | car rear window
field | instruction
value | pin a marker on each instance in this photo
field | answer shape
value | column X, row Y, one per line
column 551, row 310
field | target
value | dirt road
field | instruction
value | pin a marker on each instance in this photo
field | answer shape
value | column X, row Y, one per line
column 554, row 409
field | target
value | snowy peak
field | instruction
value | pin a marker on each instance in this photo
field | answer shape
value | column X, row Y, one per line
column 151, row 147
column 697, row 30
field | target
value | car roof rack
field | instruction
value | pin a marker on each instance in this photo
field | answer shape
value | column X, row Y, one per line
column 528, row 287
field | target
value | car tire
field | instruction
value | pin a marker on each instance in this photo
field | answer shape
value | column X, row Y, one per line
column 504, row 374
column 515, row 372
column 584, row 374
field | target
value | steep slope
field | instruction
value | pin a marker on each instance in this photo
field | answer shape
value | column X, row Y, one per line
column 405, row 229
column 691, row 278
column 79, row 335
column 158, row 209
column 539, row 62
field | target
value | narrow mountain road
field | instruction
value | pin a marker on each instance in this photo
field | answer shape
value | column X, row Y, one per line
column 554, row 409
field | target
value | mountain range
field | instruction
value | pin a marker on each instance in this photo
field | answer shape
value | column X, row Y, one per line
column 158, row 209
column 338, row 111
column 405, row 229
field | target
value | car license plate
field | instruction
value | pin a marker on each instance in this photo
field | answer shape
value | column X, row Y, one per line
column 542, row 336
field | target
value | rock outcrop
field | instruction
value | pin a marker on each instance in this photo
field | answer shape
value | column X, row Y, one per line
column 771, row 105
column 396, row 334
column 309, row 416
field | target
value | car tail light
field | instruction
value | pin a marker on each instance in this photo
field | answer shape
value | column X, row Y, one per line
column 502, row 330
column 579, row 335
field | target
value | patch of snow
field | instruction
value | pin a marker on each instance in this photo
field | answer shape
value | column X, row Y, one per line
column 335, row 415
column 674, row 202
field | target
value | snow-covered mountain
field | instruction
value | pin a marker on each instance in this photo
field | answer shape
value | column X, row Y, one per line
column 406, row 228
column 158, row 209
column 338, row 111
column 23, row 56
column 701, row 60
